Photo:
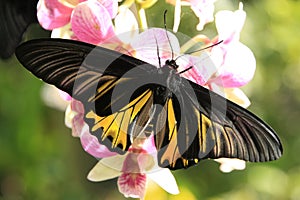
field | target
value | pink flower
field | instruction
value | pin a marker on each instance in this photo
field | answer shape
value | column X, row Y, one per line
column 53, row 14
column 90, row 20
column 74, row 120
column 239, row 63
column 134, row 169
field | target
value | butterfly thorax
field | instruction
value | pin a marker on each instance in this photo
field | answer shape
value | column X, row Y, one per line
column 169, row 81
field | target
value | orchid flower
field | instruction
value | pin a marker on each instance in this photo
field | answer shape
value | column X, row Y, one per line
column 88, row 21
column 133, row 168
column 203, row 9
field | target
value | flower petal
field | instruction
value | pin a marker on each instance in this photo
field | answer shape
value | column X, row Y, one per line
column 92, row 146
column 237, row 96
column 64, row 32
column 204, row 10
column 230, row 164
column 147, row 42
column 165, row 179
column 204, row 66
column 238, row 67
column 101, row 172
column 69, row 115
column 229, row 24
column 52, row 14
column 132, row 184
column 126, row 26
column 51, row 97
column 111, row 6
column 91, row 22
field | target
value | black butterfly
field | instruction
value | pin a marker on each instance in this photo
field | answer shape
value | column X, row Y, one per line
column 124, row 96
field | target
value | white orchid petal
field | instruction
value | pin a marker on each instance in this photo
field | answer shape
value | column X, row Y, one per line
column 237, row 96
column 165, row 179
column 102, row 172
column 229, row 24
column 51, row 97
column 115, row 162
column 230, row 164
column 64, row 32
column 126, row 26
column 69, row 115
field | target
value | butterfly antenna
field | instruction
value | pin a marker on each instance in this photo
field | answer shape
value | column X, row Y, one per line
column 165, row 25
column 210, row 46
column 157, row 51
column 200, row 49
column 194, row 52
column 185, row 70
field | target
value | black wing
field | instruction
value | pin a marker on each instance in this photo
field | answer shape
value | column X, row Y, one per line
column 15, row 17
column 91, row 74
column 207, row 125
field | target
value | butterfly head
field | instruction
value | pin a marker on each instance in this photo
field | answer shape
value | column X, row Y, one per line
column 172, row 64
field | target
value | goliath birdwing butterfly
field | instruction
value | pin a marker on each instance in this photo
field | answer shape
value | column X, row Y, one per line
column 123, row 96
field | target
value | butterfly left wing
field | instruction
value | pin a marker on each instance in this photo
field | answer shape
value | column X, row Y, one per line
column 101, row 79
column 200, row 124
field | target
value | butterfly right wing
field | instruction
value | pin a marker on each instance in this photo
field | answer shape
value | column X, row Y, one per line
column 199, row 124
column 101, row 79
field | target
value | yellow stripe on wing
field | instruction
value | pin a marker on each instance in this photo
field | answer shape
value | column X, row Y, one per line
column 115, row 126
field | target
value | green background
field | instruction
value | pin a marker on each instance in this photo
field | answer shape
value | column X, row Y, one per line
column 39, row 159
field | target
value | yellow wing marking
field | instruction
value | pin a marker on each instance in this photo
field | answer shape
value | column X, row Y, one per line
column 115, row 126
column 104, row 88
column 206, row 128
column 172, row 153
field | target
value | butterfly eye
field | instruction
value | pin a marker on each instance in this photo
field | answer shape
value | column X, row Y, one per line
column 172, row 64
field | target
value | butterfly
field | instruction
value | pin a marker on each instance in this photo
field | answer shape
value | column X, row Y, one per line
column 126, row 98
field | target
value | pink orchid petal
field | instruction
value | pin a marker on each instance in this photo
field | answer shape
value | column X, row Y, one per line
column 80, row 129
column 229, row 24
column 132, row 184
column 146, row 43
column 91, row 22
column 92, row 146
column 203, row 66
column 130, row 164
column 204, row 10
column 149, row 145
column 52, row 14
column 111, row 6
column 238, row 68
column 77, row 125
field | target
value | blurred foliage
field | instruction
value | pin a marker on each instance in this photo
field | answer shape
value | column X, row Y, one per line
column 39, row 159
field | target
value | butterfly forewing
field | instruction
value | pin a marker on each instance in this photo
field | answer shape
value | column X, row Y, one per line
column 123, row 97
